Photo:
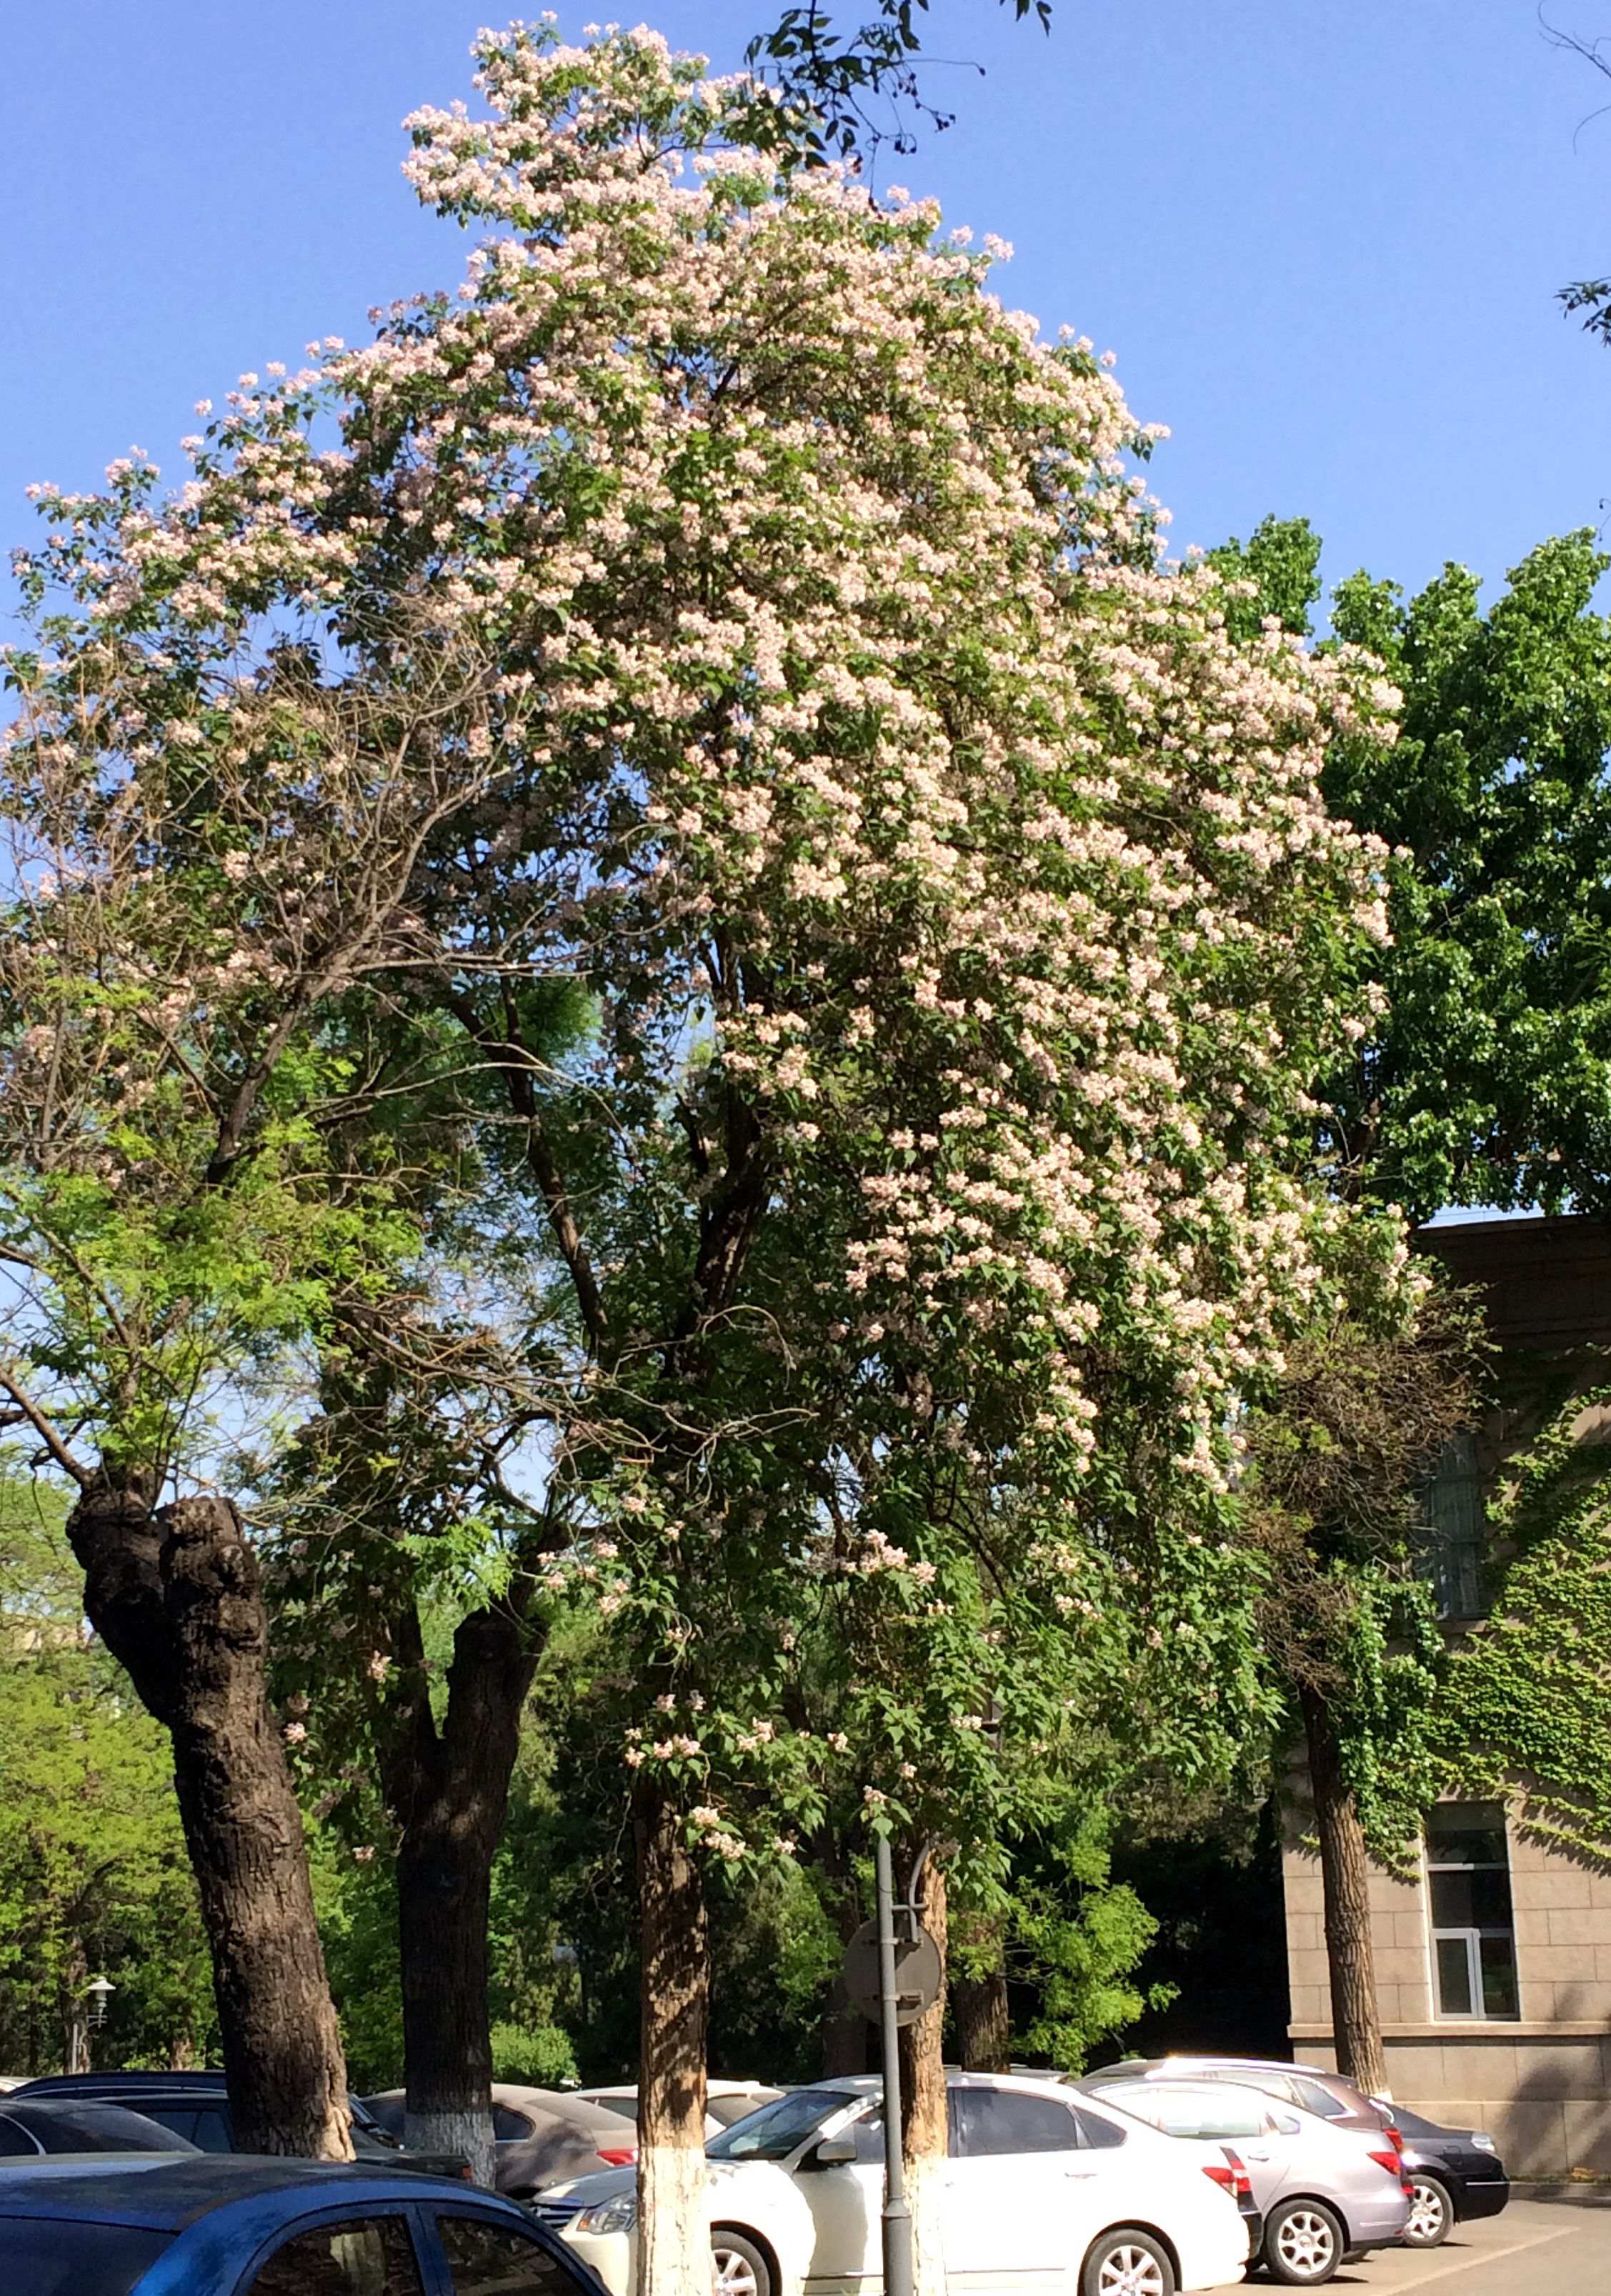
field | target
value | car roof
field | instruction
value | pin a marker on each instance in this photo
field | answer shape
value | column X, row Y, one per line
column 165, row 2191
column 111, row 2086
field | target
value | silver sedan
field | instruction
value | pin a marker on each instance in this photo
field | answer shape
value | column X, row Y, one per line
column 1324, row 2193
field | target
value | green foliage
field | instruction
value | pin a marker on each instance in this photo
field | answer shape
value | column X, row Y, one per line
column 1524, row 1716
column 1488, row 1079
column 93, row 1879
column 1076, row 1937
column 836, row 94
column 1281, row 560
column 540, row 2055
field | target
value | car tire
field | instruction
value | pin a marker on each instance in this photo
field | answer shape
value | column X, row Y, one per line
column 1126, row 2262
column 1304, row 2243
column 738, row 2267
column 1431, row 2211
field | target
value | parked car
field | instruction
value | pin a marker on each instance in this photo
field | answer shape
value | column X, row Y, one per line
column 1043, row 2191
column 1326, row 2194
column 1455, row 2174
column 150, row 2224
column 196, row 2107
column 541, row 2135
column 31, row 2125
column 726, row 2101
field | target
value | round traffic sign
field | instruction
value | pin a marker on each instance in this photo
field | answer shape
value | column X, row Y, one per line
column 919, row 1973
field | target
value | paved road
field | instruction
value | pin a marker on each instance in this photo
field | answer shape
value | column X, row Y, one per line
column 1557, row 2245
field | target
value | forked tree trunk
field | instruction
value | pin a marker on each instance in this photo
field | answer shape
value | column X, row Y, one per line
column 673, row 2208
column 448, row 1787
column 1345, row 1876
column 979, row 2004
column 924, row 2122
column 177, row 1595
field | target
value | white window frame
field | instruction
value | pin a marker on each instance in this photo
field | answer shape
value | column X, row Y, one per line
column 1470, row 1937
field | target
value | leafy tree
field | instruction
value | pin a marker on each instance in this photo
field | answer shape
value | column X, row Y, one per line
column 94, row 1879
column 1361, row 1414
column 204, row 860
column 848, row 93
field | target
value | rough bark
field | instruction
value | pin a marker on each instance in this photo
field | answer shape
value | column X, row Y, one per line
column 923, row 2122
column 177, row 1595
column 673, row 2208
column 448, row 1789
column 1346, row 1877
column 979, row 2004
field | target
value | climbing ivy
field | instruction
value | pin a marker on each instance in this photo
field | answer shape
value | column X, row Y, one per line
column 1523, row 1713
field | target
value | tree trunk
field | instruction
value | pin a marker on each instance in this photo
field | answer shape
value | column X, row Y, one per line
column 448, row 1791
column 673, row 2206
column 75, row 2011
column 925, row 2127
column 1345, row 1875
column 846, row 2034
column 979, row 2004
column 177, row 1595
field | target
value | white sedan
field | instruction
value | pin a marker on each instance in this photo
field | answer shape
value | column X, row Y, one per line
column 1044, row 2196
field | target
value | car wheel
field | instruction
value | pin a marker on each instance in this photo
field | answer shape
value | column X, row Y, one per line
column 1431, row 2212
column 738, row 2267
column 1304, row 2243
column 1127, row 2263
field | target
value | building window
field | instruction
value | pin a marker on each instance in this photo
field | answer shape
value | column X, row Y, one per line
column 1451, row 1500
column 1469, row 1899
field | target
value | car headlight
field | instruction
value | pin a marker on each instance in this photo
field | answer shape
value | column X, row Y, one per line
column 1483, row 2142
column 618, row 2214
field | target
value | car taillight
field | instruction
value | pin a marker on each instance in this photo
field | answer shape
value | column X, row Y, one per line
column 1394, row 2162
column 619, row 2156
column 1232, row 2178
column 1393, row 2138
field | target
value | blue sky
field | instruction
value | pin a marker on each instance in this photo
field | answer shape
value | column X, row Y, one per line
column 1321, row 236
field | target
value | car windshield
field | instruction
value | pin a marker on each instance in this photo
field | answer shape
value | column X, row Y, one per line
column 382, row 2116
column 774, row 2131
column 41, row 2256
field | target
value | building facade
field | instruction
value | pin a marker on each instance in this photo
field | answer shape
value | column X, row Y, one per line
column 1493, row 1963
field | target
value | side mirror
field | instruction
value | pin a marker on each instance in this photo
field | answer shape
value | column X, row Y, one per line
column 833, row 2152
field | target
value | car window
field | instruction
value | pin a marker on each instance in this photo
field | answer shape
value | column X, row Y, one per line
column 386, row 2112
column 1191, row 2111
column 868, row 2134
column 213, row 2133
column 489, row 2259
column 1315, row 2098
column 177, row 2118
column 14, row 2139
column 1095, row 2129
column 361, row 2256
column 62, row 2259
column 774, row 2132
column 509, row 2127
column 991, row 2121
column 94, row 2128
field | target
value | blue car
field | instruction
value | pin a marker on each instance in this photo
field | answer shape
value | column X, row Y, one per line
column 238, row 2225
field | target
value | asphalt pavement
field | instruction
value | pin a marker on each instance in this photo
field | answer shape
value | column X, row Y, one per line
column 1553, row 2242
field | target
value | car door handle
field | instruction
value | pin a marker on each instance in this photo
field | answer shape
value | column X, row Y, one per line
column 1254, row 2156
column 1080, row 2174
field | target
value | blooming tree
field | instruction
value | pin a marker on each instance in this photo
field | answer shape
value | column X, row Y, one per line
column 959, row 918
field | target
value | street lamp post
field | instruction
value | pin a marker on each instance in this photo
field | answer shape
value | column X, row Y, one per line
column 897, row 2220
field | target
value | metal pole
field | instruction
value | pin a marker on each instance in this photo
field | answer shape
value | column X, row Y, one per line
column 897, row 2225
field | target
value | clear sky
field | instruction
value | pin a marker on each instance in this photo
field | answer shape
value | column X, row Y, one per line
column 1321, row 236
